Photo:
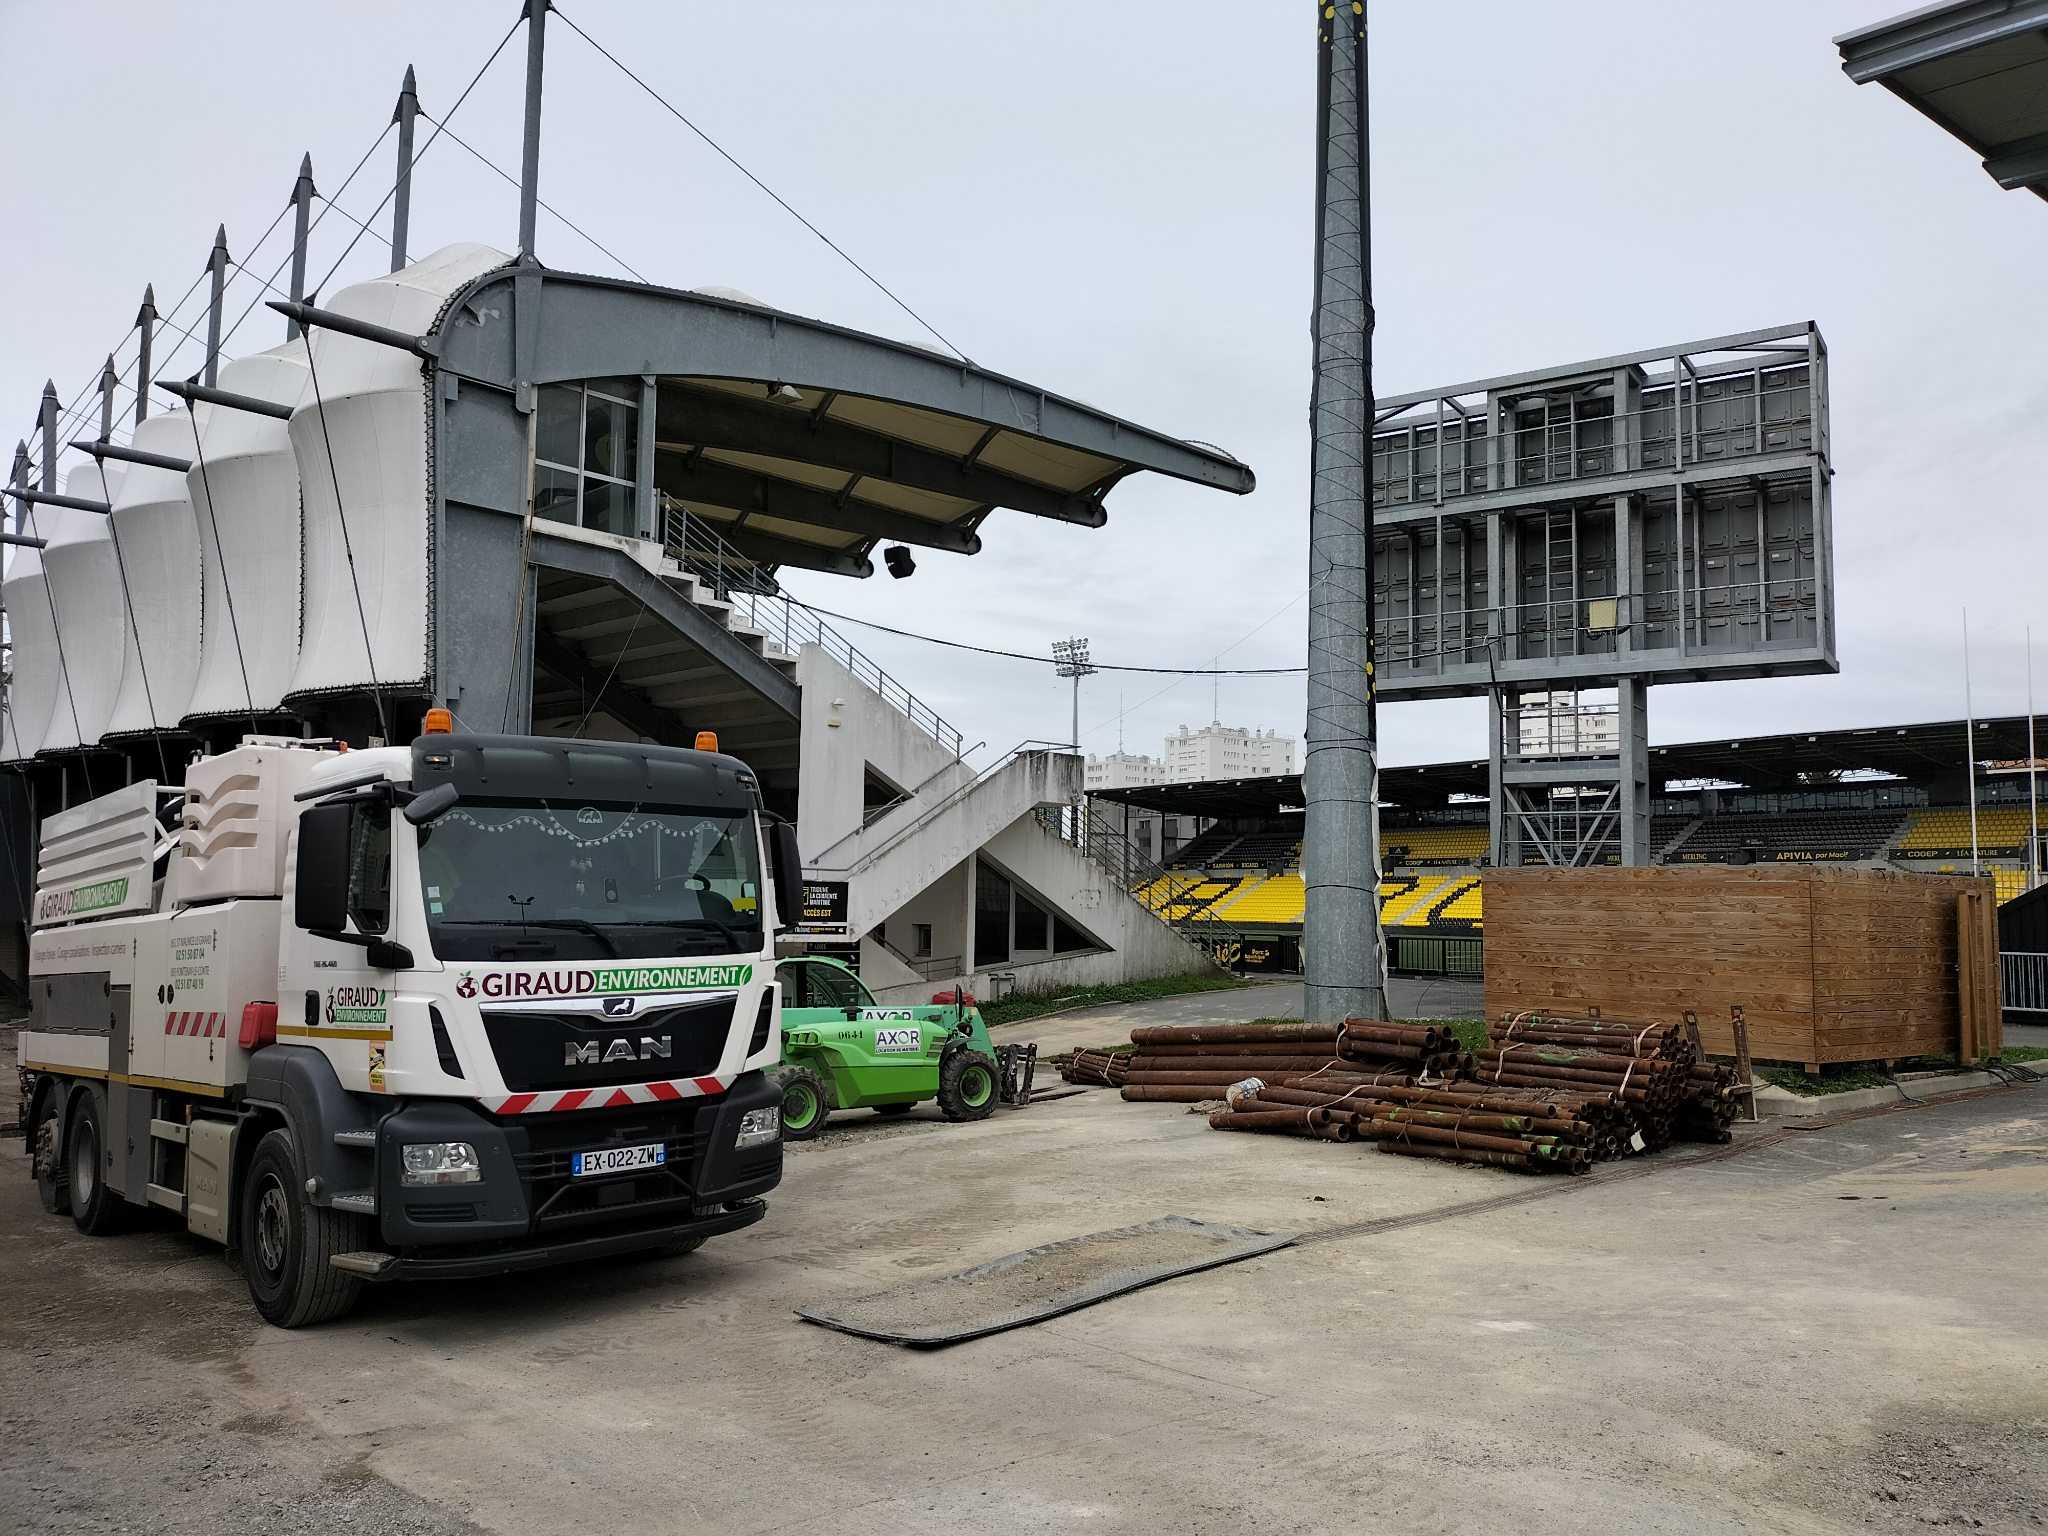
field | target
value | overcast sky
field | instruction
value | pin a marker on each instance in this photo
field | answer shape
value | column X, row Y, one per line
column 1113, row 200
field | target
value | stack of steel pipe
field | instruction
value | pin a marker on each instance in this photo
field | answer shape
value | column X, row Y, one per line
column 1414, row 1121
column 1193, row 1063
column 1645, row 1067
column 1425, row 1049
column 1099, row 1069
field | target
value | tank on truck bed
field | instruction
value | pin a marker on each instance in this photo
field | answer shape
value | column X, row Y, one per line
column 469, row 1006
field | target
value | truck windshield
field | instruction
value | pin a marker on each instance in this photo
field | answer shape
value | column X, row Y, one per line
column 519, row 880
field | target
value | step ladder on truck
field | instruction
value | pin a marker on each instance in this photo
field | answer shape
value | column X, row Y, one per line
column 471, row 1006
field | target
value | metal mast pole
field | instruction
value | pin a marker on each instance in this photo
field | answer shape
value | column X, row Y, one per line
column 2033, row 760
column 145, row 321
column 529, row 155
column 1345, row 971
column 1970, row 745
column 401, row 204
column 20, row 484
column 302, row 208
column 109, row 382
column 218, row 261
column 49, row 425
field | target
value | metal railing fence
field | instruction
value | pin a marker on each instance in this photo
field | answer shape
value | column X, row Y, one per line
column 752, row 591
column 1089, row 831
column 2023, row 980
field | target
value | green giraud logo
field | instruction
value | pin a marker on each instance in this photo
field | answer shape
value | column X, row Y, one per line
column 670, row 978
column 58, row 905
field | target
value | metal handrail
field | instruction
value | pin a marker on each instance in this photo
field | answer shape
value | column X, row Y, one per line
column 1091, row 833
column 1026, row 748
column 749, row 587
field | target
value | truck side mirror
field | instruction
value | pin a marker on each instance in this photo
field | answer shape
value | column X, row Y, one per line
column 786, row 863
column 321, row 899
column 431, row 803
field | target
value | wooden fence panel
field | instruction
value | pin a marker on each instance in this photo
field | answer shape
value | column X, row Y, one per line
column 1829, row 965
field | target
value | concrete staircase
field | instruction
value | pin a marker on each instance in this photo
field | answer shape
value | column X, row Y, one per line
column 901, row 854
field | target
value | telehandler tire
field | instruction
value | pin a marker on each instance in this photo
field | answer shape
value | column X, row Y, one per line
column 285, row 1241
column 967, row 1086
column 806, row 1102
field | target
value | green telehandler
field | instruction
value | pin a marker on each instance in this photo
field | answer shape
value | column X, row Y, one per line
column 843, row 1050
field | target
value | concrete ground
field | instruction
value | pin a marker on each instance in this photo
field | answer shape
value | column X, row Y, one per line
column 1408, row 997
column 1832, row 1332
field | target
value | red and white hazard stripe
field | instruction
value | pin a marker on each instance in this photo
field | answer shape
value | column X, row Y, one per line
column 607, row 1098
column 210, row 1026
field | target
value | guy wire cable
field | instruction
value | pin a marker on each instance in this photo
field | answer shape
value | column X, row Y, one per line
column 421, row 154
column 63, row 661
column 163, row 765
column 220, row 554
column 347, row 547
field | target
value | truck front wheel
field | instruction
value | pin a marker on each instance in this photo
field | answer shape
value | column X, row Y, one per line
column 95, row 1209
column 286, row 1241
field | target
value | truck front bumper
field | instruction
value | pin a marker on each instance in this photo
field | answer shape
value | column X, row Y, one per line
column 508, row 1260
column 527, row 1207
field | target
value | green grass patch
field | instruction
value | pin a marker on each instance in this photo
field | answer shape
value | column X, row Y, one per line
column 1851, row 1076
column 1030, row 1005
column 1471, row 1033
column 2024, row 1053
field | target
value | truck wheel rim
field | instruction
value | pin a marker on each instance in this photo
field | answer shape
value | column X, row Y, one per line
column 976, row 1085
column 799, row 1107
column 85, row 1163
column 272, row 1226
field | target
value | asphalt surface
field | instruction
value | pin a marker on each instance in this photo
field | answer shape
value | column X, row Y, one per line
column 1833, row 1331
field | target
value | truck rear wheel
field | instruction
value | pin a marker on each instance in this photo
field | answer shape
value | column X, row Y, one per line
column 286, row 1241
column 967, row 1086
column 47, row 1150
column 95, row 1209
column 806, row 1101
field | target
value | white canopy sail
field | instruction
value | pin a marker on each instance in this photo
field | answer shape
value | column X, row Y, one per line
column 375, row 406
column 159, row 549
column 250, row 541
column 85, row 597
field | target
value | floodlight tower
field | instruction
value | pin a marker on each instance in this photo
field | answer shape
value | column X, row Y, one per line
column 1070, row 659
column 1344, row 969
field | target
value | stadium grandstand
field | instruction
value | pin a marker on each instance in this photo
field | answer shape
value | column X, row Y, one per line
column 1896, row 796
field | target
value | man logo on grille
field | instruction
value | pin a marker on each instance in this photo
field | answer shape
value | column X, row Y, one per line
column 617, row 1007
column 589, row 1053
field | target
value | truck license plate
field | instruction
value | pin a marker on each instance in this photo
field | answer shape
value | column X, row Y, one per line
column 584, row 1165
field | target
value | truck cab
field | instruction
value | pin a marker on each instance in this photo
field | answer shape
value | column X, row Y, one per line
column 502, row 1002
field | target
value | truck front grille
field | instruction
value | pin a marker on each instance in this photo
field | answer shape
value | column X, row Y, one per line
column 542, row 1050
column 559, row 1200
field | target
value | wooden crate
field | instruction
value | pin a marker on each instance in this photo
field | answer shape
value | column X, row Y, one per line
column 1828, row 965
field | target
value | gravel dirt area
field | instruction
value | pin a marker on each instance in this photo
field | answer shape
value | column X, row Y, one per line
column 1831, row 1333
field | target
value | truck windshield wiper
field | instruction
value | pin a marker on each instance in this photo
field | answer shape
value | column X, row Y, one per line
column 730, row 932
column 580, row 925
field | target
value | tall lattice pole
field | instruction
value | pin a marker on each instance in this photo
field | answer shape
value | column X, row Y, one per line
column 1343, row 948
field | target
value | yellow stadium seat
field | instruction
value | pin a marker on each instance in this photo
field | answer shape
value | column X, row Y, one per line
column 1941, row 828
column 1434, row 845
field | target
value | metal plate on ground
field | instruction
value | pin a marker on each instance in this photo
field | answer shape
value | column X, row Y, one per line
column 1041, row 1282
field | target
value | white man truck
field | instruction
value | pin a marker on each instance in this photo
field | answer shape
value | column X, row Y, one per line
column 475, row 1005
